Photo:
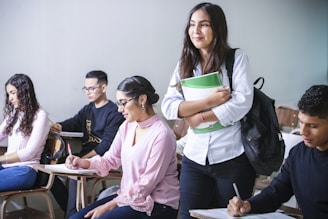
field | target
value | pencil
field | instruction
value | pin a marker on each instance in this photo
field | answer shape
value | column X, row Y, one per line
column 69, row 150
column 52, row 123
column 236, row 190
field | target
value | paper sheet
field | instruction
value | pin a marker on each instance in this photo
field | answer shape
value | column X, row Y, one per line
column 221, row 213
column 61, row 168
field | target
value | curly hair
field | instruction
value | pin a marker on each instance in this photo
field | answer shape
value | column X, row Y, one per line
column 314, row 101
column 190, row 56
column 28, row 104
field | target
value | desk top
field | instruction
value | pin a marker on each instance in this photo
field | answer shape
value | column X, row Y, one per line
column 221, row 213
column 58, row 169
column 71, row 134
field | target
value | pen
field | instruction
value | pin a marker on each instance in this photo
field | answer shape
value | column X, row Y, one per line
column 52, row 123
column 236, row 190
column 70, row 151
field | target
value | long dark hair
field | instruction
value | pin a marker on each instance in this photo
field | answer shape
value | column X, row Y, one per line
column 28, row 104
column 190, row 56
column 137, row 85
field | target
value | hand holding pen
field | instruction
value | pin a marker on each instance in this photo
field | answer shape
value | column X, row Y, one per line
column 70, row 161
column 55, row 127
column 75, row 162
column 237, row 207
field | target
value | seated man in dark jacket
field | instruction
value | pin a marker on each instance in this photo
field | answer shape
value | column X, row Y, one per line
column 304, row 174
column 98, row 121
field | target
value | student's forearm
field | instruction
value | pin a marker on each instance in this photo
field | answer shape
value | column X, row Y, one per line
column 189, row 108
column 208, row 116
column 9, row 158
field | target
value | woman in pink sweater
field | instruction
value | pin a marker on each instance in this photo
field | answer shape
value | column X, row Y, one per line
column 145, row 148
column 26, row 126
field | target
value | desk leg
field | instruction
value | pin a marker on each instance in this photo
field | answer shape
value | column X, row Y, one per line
column 78, row 193
column 84, row 196
column 81, row 192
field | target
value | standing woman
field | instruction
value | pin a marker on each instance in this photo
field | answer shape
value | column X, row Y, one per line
column 213, row 160
column 26, row 126
column 145, row 147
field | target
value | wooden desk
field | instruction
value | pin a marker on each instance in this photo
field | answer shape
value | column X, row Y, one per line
column 81, row 195
column 81, row 179
column 221, row 213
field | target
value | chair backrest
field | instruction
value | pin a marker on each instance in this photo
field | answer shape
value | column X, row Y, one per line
column 180, row 128
column 54, row 149
column 287, row 118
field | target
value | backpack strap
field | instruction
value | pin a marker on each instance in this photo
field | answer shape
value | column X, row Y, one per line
column 257, row 81
column 230, row 59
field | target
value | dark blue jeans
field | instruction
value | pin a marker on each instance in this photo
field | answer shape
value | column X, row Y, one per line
column 210, row 186
column 19, row 177
column 159, row 212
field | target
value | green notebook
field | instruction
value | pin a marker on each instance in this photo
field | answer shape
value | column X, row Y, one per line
column 199, row 87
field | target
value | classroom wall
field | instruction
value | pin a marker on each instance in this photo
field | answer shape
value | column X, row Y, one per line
column 56, row 42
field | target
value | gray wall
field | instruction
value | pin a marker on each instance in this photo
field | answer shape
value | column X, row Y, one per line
column 56, row 42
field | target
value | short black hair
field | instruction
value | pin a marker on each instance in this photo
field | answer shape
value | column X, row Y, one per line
column 100, row 75
column 314, row 101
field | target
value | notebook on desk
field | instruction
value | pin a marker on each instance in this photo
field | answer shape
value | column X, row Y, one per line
column 61, row 168
column 221, row 213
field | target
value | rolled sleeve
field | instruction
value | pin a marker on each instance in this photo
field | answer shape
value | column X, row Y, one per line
column 242, row 92
column 173, row 98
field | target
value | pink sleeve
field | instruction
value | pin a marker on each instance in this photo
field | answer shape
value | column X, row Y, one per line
column 37, row 139
column 162, row 152
column 110, row 160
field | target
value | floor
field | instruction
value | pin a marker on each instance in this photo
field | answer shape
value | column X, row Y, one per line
column 33, row 203
column 39, row 203
column 31, row 214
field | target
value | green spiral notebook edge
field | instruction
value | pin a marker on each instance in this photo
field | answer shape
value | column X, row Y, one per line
column 203, row 81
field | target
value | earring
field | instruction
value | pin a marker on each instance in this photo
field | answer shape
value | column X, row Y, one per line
column 143, row 107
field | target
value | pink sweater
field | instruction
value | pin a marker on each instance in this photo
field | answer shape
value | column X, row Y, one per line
column 149, row 167
column 28, row 148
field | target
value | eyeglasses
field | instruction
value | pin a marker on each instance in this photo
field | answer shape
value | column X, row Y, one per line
column 90, row 89
column 122, row 104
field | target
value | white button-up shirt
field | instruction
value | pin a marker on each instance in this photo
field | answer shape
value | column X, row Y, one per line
column 223, row 144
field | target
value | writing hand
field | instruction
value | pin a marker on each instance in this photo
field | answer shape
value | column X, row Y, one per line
column 56, row 128
column 238, row 207
column 72, row 162
column 75, row 162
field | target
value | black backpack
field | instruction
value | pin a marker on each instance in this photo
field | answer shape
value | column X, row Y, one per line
column 260, row 133
column 51, row 154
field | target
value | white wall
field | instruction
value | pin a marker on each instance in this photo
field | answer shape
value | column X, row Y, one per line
column 56, row 42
